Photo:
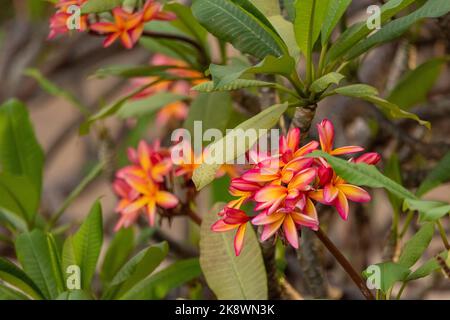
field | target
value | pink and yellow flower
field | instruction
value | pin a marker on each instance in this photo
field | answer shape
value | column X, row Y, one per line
column 233, row 219
column 58, row 22
column 326, row 137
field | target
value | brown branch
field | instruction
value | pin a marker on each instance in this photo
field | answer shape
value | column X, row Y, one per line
column 357, row 279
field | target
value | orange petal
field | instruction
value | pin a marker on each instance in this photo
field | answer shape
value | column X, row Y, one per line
column 330, row 192
column 109, row 40
column 151, row 212
column 304, row 220
column 317, row 195
column 221, row 226
column 144, row 155
column 166, row 199
column 326, row 135
column 307, row 148
column 270, row 229
column 135, row 206
column 290, row 231
column 354, row 193
column 302, row 179
column 104, row 27
column 239, row 238
column 125, row 38
column 341, row 205
column 139, row 184
column 263, row 218
column 346, row 150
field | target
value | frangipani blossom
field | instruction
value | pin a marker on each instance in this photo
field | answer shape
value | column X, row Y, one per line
column 326, row 137
column 233, row 219
column 59, row 21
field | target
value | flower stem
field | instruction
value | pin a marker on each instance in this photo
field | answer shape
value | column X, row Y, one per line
column 345, row 264
column 443, row 235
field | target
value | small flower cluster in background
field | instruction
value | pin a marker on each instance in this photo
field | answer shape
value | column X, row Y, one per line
column 123, row 25
column 284, row 188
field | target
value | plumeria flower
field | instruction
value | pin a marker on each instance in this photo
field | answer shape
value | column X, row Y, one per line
column 128, row 195
column 233, row 219
column 337, row 193
column 58, row 22
column 326, row 137
column 289, row 221
column 242, row 189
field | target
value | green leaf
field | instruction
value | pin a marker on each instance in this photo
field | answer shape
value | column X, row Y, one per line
column 157, row 286
column 336, row 9
column 363, row 174
column 233, row 24
column 440, row 174
column 429, row 210
column 390, row 273
column 359, row 31
column 97, row 6
column 392, row 171
column 227, row 149
column 149, row 105
column 285, row 29
column 34, row 255
column 268, row 8
column 369, row 94
column 125, row 71
column 83, row 248
column 232, row 86
column 20, row 155
column 416, row 246
column 116, row 256
column 55, row 260
column 394, row 29
column 224, row 75
column 230, row 277
column 415, row 85
column 310, row 15
column 427, row 268
column 7, row 293
column 14, row 276
column 55, row 90
column 212, row 109
column 325, row 81
column 138, row 268
column 74, row 295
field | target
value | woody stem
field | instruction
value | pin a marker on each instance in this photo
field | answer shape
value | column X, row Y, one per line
column 345, row 264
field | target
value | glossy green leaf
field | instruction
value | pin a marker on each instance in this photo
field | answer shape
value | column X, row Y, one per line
column 285, row 29
column 97, row 6
column 157, row 286
column 83, row 248
column 230, row 277
column 439, row 174
column 390, row 273
column 236, row 143
column 74, row 295
column 149, row 105
column 415, row 85
column 232, row 86
column 325, row 81
column 231, row 23
column 131, row 71
column 267, row 7
column 335, row 11
column 34, row 255
column 7, row 293
column 56, row 262
column 359, row 31
column 427, row 268
column 137, row 269
column 416, row 246
column 394, row 29
column 392, row 171
column 212, row 109
column 429, row 210
column 119, row 250
column 362, row 174
column 14, row 276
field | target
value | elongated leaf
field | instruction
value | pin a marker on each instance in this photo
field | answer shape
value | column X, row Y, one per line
column 74, row 295
column 133, row 71
column 429, row 210
column 325, row 81
column 97, row 6
column 416, row 246
column 34, row 255
column 227, row 149
column 224, row 75
column 310, row 15
column 415, row 85
column 363, row 174
column 230, row 277
column 117, row 254
column 158, row 285
column 390, row 109
column 56, row 262
column 213, row 110
column 250, row 7
column 231, row 23
column 440, row 174
column 394, row 29
column 285, row 29
column 138, row 268
column 14, row 276
column 359, row 31
column 392, row 171
column 149, row 105
column 268, row 7
column 7, row 293
column 427, row 268
column 234, row 85
column 336, row 9
column 20, row 155
column 83, row 248
column 390, row 273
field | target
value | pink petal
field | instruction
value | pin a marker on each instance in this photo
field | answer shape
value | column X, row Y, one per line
column 355, row 193
column 307, row 148
column 290, row 231
column 270, row 229
column 302, row 179
column 346, row 150
column 263, row 218
column 330, row 192
column 166, row 200
column 239, row 239
column 221, row 226
column 341, row 205
column 326, row 135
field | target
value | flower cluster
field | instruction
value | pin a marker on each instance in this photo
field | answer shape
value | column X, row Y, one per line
column 125, row 25
column 176, row 110
column 284, row 188
column 141, row 185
